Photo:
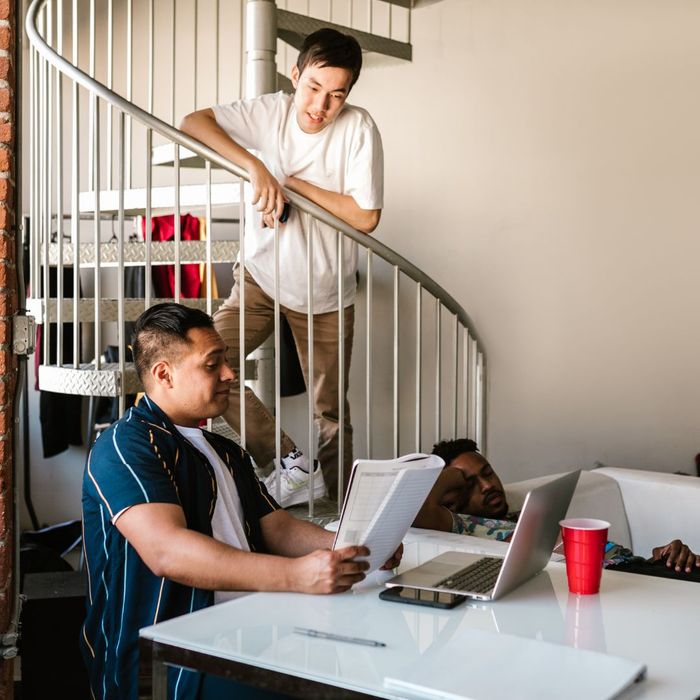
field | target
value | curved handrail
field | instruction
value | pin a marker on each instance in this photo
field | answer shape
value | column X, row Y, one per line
column 182, row 139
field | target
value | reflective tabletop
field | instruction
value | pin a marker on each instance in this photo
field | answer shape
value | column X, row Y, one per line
column 650, row 620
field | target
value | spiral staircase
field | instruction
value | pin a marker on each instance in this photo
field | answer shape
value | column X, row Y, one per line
column 106, row 90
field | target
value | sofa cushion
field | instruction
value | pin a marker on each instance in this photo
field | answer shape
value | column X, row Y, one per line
column 596, row 496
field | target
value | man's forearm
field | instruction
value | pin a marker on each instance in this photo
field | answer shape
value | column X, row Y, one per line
column 202, row 125
column 341, row 205
column 267, row 192
column 188, row 556
column 290, row 537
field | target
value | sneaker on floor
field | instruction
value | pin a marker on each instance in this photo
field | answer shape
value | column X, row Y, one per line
column 294, row 485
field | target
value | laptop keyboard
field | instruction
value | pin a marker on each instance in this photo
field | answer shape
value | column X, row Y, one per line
column 479, row 577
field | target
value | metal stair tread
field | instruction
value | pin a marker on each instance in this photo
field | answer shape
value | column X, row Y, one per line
column 85, row 380
column 162, row 253
column 109, row 308
column 165, row 155
column 293, row 27
column 191, row 196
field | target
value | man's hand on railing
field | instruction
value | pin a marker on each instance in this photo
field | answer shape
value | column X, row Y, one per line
column 267, row 193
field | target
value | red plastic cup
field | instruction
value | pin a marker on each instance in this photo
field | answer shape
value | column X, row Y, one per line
column 584, row 548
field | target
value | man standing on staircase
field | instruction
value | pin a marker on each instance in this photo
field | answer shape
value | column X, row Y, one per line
column 317, row 145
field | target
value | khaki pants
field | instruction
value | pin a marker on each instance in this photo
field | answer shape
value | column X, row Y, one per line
column 260, row 425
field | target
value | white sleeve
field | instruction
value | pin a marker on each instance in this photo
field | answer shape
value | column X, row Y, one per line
column 364, row 178
column 119, row 515
column 245, row 121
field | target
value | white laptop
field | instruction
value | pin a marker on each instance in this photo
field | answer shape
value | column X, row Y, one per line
column 489, row 578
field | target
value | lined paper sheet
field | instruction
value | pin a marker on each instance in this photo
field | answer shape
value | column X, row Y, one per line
column 383, row 499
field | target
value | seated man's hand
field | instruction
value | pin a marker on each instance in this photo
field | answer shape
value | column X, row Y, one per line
column 394, row 561
column 677, row 555
column 329, row 571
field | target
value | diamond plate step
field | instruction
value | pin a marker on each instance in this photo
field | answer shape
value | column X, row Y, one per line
column 162, row 253
column 293, row 27
column 88, row 381
column 106, row 381
column 191, row 196
column 133, row 308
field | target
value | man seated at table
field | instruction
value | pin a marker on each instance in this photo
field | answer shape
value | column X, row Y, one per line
column 468, row 498
column 172, row 513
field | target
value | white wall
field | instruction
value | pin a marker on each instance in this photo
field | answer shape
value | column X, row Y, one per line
column 543, row 163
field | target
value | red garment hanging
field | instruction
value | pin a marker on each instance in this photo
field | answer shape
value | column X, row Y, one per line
column 163, row 229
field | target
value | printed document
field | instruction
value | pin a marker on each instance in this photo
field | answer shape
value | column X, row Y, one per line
column 383, row 499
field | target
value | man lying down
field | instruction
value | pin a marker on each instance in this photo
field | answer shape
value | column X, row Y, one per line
column 468, row 498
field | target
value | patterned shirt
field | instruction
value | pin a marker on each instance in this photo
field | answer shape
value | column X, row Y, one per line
column 502, row 530
column 143, row 458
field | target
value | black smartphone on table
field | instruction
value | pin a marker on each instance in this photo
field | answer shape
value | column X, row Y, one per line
column 417, row 596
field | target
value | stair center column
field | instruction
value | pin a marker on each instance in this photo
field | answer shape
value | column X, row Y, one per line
column 261, row 47
column 261, row 78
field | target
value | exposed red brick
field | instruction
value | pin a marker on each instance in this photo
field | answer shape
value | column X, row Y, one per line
column 5, row 38
column 6, row 71
column 5, row 160
column 7, row 276
column 6, row 459
column 8, row 363
column 8, row 302
column 7, row 132
column 6, row 218
column 5, row 99
column 7, row 686
column 6, row 572
column 7, row 391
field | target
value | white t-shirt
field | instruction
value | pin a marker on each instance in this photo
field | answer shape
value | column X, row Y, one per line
column 345, row 157
column 227, row 521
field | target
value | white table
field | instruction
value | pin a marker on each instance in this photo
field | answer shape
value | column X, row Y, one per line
column 653, row 620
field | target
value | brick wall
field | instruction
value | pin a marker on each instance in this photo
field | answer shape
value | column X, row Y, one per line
column 8, row 306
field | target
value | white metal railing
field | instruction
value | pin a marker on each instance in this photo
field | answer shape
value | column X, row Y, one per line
column 445, row 375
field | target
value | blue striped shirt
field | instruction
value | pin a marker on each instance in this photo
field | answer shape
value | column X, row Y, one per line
column 143, row 458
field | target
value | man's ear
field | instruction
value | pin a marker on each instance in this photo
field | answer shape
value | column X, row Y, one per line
column 295, row 75
column 161, row 374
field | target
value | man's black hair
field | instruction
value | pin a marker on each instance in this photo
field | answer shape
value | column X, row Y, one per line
column 328, row 47
column 163, row 326
column 451, row 449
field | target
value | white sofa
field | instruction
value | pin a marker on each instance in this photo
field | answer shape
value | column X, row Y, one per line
column 645, row 509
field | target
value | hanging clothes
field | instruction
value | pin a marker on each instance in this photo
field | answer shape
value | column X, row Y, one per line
column 163, row 229
column 203, row 267
column 59, row 414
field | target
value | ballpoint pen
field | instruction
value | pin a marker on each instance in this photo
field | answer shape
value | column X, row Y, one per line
column 337, row 637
